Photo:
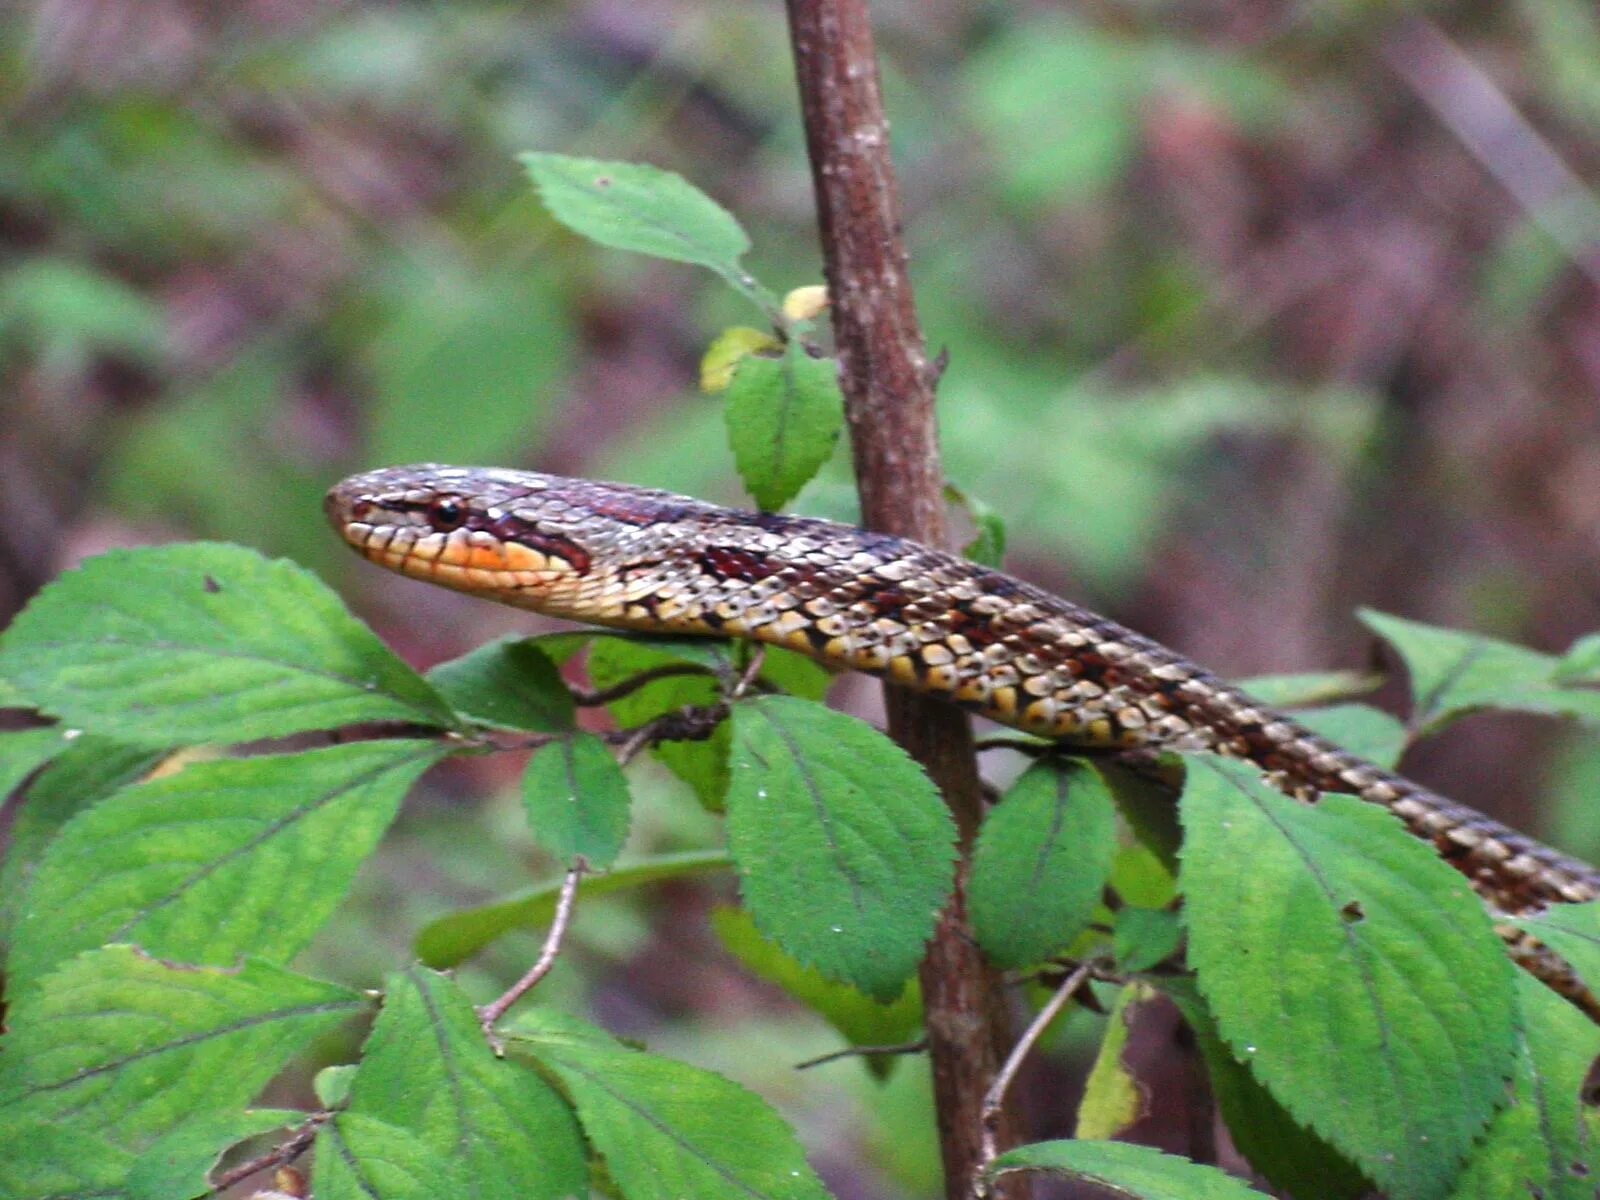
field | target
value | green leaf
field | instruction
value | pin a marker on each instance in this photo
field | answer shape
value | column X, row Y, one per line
column 1129, row 1170
column 1144, row 937
column 624, row 654
column 71, row 311
column 509, row 682
column 714, row 654
column 87, row 771
column 131, row 1047
column 862, row 1020
column 467, row 369
column 1140, row 876
column 1020, row 87
column 1362, row 730
column 1290, row 1156
column 794, row 673
column 988, row 544
column 784, row 415
column 1310, row 687
column 844, row 849
column 560, row 647
column 332, row 1085
column 204, row 642
column 361, row 1158
column 1581, row 662
column 178, row 1164
column 1572, row 931
column 1347, row 961
column 632, row 206
column 1042, row 861
column 451, row 939
column 24, row 751
column 224, row 859
column 668, row 1130
column 40, row 1161
column 552, row 1027
column 703, row 765
column 577, row 800
column 1454, row 673
column 1146, row 872
column 1112, row 1098
column 1539, row 1145
column 1526, row 260
column 428, row 1069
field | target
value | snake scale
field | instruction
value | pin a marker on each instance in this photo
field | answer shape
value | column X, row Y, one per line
column 637, row 558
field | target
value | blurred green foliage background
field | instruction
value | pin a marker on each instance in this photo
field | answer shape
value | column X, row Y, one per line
column 1255, row 310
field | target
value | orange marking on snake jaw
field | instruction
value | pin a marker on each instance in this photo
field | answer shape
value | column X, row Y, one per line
column 517, row 557
column 524, row 546
column 484, row 557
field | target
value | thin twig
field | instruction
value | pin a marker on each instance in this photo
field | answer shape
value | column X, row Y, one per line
column 692, row 724
column 286, row 1151
column 1023, row 745
column 489, row 1014
column 589, row 698
column 688, row 724
column 994, row 1102
column 1485, row 121
column 916, row 1047
column 752, row 670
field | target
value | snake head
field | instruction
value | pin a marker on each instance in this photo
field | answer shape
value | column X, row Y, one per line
column 557, row 545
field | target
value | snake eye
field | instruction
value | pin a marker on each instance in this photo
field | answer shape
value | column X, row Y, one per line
column 447, row 513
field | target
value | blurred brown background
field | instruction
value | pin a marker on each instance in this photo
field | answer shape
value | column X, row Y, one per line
column 1256, row 312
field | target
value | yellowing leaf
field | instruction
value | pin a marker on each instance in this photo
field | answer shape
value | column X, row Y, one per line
column 725, row 353
column 1112, row 1097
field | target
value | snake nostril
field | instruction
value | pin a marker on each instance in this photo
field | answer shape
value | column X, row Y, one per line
column 342, row 508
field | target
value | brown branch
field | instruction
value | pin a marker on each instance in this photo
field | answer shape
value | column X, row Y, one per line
column 692, row 724
column 994, row 1101
column 490, row 1014
column 916, row 1047
column 888, row 391
column 1484, row 120
column 285, row 1152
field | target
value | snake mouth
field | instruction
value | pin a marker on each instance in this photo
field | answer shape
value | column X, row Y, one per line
column 339, row 506
column 466, row 559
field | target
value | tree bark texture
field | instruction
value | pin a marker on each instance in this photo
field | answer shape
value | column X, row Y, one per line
column 889, row 406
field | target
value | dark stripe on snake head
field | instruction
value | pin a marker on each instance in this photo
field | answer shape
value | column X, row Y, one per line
column 509, row 527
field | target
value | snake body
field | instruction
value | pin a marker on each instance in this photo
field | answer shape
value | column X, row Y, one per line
column 631, row 557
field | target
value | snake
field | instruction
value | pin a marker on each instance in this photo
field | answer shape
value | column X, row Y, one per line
column 629, row 557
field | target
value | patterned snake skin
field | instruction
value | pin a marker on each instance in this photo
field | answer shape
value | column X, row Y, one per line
column 612, row 554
